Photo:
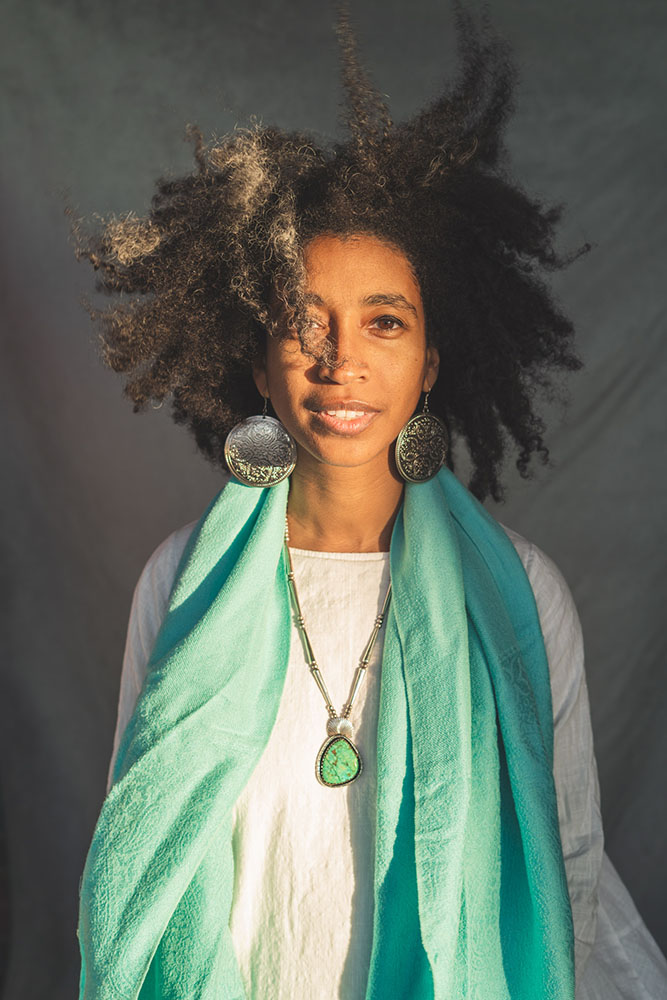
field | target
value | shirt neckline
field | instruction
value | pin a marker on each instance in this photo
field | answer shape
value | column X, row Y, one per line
column 344, row 556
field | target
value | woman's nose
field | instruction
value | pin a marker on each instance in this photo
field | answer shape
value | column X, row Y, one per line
column 344, row 360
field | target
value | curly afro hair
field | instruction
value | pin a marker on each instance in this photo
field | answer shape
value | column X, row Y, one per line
column 195, row 281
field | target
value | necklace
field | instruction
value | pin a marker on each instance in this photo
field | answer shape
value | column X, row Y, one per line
column 338, row 760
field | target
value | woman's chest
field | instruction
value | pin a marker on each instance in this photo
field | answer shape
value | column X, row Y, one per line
column 340, row 599
column 304, row 852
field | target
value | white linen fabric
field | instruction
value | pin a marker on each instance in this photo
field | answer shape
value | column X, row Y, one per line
column 302, row 911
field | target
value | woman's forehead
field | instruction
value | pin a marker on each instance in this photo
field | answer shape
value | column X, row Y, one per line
column 358, row 268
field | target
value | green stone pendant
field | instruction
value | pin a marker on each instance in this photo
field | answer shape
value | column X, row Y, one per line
column 338, row 762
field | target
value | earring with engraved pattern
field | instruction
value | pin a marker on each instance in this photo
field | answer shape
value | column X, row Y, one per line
column 421, row 447
column 260, row 451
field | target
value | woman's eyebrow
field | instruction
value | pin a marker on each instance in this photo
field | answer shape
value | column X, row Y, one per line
column 388, row 299
column 376, row 299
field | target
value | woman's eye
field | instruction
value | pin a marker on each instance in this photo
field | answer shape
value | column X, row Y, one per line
column 390, row 319
column 392, row 323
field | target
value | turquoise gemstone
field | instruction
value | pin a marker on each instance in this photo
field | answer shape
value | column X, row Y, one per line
column 339, row 763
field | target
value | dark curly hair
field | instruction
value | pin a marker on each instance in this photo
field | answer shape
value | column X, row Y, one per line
column 203, row 268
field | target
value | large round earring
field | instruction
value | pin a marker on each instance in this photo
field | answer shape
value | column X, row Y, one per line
column 260, row 451
column 421, row 447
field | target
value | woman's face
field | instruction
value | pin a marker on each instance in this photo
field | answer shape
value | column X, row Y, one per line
column 364, row 299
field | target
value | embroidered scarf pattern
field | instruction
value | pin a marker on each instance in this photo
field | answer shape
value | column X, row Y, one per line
column 471, row 898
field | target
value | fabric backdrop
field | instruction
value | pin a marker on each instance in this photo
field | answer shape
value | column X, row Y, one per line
column 95, row 99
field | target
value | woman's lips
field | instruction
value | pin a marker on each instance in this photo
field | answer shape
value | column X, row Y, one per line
column 345, row 421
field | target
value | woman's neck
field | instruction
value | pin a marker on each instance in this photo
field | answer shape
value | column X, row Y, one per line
column 335, row 509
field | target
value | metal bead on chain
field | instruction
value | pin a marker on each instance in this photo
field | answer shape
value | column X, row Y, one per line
column 339, row 727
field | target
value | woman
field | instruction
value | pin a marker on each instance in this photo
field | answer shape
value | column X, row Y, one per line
column 279, row 822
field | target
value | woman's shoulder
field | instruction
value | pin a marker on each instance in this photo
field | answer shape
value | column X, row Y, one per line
column 157, row 577
column 170, row 550
column 559, row 622
column 552, row 593
column 523, row 547
column 155, row 581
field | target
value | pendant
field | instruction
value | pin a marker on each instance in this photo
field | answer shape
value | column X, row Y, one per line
column 338, row 762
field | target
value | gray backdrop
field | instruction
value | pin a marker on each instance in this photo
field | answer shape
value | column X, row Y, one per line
column 95, row 97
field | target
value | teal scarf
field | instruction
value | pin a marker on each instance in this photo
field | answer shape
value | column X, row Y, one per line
column 470, row 892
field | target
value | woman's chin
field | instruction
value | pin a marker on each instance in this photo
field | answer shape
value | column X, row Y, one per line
column 347, row 454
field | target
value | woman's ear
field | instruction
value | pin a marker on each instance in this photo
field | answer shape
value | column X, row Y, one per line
column 259, row 375
column 259, row 368
column 432, row 368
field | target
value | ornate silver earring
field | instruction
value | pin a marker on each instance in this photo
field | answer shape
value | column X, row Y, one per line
column 421, row 447
column 260, row 451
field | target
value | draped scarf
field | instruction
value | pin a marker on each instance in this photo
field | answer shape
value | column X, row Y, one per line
column 470, row 894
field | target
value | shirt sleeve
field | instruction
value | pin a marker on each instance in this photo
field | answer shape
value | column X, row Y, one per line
column 149, row 606
column 575, row 767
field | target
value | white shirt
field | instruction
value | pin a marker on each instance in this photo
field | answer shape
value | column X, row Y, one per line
column 302, row 910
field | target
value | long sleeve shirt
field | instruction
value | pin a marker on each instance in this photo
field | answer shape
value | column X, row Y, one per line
column 301, row 918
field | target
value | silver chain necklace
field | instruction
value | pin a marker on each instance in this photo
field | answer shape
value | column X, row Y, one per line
column 338, row 760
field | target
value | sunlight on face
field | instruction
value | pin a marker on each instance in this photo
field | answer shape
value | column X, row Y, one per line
column 364, row 300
